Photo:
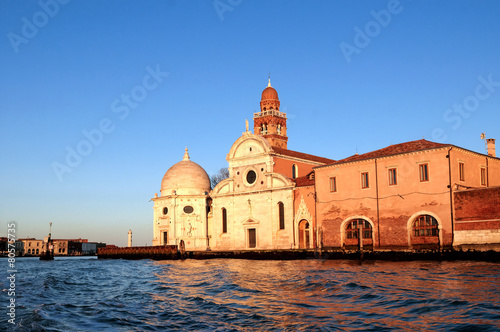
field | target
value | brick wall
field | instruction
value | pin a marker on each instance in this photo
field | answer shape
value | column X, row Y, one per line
column 477, row 216
column 477, row 204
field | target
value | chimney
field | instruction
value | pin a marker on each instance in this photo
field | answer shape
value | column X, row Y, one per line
column 490, row 144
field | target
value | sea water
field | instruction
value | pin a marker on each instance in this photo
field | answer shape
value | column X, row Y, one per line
column 87, row 294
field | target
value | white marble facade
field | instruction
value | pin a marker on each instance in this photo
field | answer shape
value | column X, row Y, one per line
column 252, row 199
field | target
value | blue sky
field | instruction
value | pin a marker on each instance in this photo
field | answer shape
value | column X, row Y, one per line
column 351, row 75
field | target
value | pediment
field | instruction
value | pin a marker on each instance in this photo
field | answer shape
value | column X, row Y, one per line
column 248, row 145
column 303, row 211
column 250, row 221
column 223, row 187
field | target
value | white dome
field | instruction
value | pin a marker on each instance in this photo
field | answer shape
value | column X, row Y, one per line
column 186, row 178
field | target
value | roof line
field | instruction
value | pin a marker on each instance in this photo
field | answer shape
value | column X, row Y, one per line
column 340, row 162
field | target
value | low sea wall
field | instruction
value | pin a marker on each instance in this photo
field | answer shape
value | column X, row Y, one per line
column 152, row 252
column 172, row 253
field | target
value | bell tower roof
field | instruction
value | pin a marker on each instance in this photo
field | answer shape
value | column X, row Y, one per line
column 270, row 94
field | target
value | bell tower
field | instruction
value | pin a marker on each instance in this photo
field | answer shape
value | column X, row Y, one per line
column 270, row 122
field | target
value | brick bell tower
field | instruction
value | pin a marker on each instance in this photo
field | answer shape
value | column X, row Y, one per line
column 270, row 122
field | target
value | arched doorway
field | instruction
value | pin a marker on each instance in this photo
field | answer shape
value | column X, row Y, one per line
column 425, row 232
column 358, row 235
column 304, row 234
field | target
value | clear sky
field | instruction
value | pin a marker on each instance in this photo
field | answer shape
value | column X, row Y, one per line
column 99, row 98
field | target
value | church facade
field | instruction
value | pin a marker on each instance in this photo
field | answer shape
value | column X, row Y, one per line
column 399, row 197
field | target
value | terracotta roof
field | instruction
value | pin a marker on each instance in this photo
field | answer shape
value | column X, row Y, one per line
column 295, row 154
column 395, row 149
column 269, row 93
column 304, row 181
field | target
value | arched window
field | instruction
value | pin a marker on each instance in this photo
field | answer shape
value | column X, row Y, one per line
column 29, row 251
column 264, row 129
column 355, row 225
column 294, row 171
column 37, row 251
column 281, row 212
column 425, row 226
column 224, row 220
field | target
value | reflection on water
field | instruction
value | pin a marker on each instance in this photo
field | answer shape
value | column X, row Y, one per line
column 245, row 295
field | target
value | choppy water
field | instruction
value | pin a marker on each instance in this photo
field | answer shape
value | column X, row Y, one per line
column 78, row 294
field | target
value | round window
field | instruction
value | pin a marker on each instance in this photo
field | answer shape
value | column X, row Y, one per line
column 165, row 210
column 188, row 209
column 251, row 177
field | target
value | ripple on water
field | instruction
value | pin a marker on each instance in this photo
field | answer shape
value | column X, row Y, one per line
column 242, row 295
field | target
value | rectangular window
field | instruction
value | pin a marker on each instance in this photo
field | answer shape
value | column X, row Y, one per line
column 252, row 238
column 483, row 176
column 165, row 239
column 364, row 180
column 393, row 180
column 461, row 171
column 424, row 172
column 333, row 184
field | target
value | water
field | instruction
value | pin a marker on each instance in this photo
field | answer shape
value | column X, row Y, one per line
column 81, row 294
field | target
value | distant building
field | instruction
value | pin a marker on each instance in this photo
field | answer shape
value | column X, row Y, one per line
column 4, row 245
column 32, row 246
column 61, row 247
column 68, row 247
column 412, row 195
column 90, row 248
column 19, row 245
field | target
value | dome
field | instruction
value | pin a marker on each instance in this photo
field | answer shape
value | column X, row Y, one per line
column 186, row 178
column 269, row 93
column 269, row 100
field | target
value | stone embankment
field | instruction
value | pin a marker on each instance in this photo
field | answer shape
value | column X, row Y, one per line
column 152, row 252
column 172, row 253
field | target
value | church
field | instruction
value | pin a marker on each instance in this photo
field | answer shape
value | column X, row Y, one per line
column 413, row 195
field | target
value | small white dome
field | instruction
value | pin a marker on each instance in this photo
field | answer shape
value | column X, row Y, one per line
column 186, row 178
